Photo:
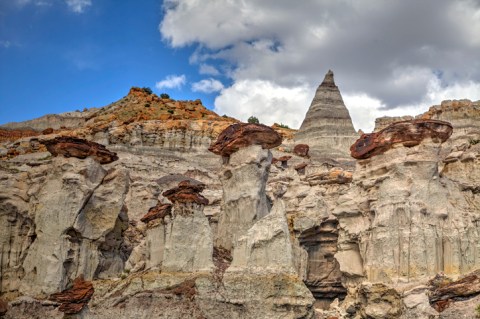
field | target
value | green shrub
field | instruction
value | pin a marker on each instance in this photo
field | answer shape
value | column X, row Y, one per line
column 164, row 96
column 147, row 105
column 282, row 125
column 477, row 311
column 252, row 119
column 147, row 90
column 170, row 111
column 473, row 141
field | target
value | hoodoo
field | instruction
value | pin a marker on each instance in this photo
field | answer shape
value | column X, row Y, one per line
column 327, row 127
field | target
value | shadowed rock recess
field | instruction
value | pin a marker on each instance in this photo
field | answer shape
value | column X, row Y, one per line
column 156, row 208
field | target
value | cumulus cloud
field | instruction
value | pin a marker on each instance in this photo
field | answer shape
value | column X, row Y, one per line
column 207, row 86
column 172, row 82
column 208, row 69
column 265, row 100
column 78, row 6
column 390, row 52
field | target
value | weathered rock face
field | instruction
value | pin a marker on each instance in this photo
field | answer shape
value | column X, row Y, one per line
column 400, row 199
column 80, row 148
column 241, row 135
column 244, row 201
column 408, row 133
column 327, row 127
column 88, row 243
column 74, row 299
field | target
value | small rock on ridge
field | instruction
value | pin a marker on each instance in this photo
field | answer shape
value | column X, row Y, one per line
column 186, row 193
column 301, row 150
column 240, row 135
column 77, row 147
column 409, row 133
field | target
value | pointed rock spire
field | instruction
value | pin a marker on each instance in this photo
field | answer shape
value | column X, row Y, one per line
column 327, row 127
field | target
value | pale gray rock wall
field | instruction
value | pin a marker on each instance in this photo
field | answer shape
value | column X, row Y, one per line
column 244, row 179
column 188, row 240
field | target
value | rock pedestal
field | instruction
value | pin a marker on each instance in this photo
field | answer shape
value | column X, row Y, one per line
column 188, row 238
column 244, row 201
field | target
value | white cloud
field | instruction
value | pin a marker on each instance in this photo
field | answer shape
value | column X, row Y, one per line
column 5, row 44
column 208, row 69
column 207, row 86
column 171, row 82
column 266, row 100
column 391, row 52
column 78, row 6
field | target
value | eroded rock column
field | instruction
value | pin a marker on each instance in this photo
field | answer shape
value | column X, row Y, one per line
column 188, row 238
column 244, row 148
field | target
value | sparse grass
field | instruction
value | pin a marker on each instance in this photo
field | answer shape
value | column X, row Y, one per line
column 474, row 141
column 477, row 311
column 282, row 125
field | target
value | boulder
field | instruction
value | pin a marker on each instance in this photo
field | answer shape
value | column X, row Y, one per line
column 301, row 150
column 241, row 135
column 159, row 211
column 186, row 192
column 74, row 299
column 408, row 133
column 80, row 148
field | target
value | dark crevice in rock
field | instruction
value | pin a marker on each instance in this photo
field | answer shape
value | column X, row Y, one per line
column 324, row 278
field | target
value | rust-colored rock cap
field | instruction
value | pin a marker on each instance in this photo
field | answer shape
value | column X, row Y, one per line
column 74, row 299
column 240, row 135
column 3, row 307
column 409, row 133
column 301, row 150
column 186, row 193
column 158, row 211
column 77, row 147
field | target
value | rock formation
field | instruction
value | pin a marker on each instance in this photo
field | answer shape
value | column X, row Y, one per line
column 309, row 237
column 408, row 133
column 244, row 178
column 327, row 127
column 74, row 299
column 193, row 252
column 79, row 148
column 240, row 135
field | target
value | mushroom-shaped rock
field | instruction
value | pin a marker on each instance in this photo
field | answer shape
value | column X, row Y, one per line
column 186, row 192
column 284, row 160
column 240, row 135
column 77, row 147
column 301, row 150
column 300, row 168
column 74, row 299
column 408, row 133
column 158, row 211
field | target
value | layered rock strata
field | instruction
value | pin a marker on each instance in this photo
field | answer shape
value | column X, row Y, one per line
column 327, row 127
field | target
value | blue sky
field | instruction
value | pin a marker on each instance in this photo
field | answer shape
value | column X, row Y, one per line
column 54, row 59
column 251, row 57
